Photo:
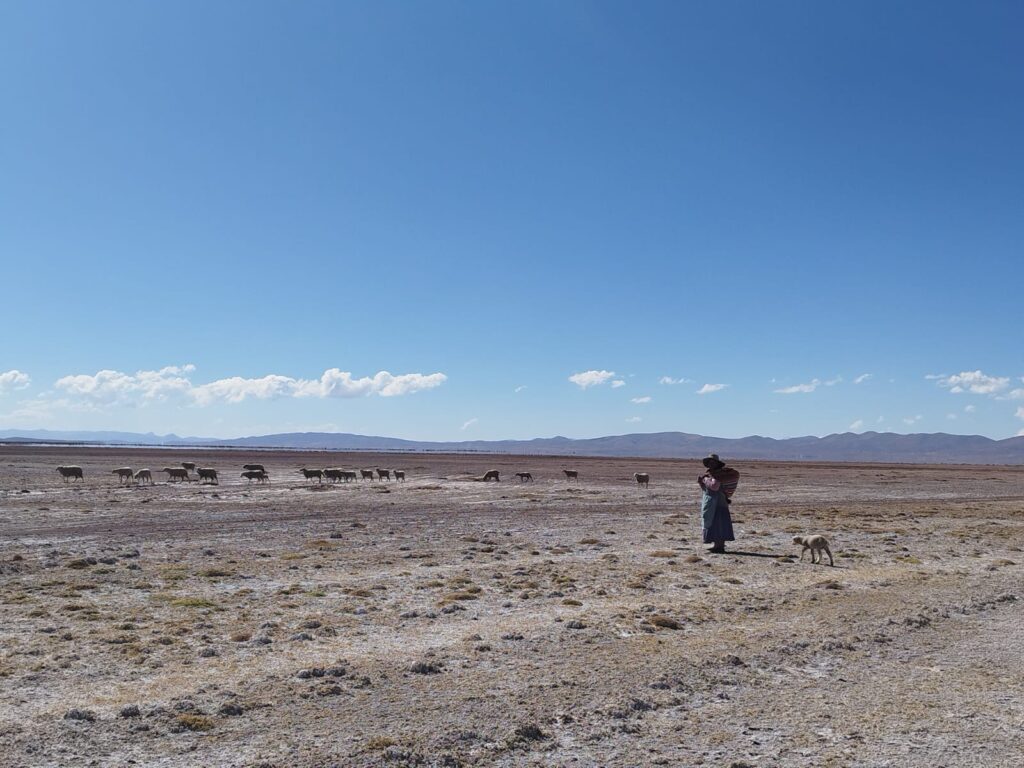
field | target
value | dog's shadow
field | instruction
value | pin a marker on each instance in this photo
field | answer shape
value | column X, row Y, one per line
column 770, row 556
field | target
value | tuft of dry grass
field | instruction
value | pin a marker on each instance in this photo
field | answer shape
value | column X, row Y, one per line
column 461, row 595
column 321, row 544
column 665, row 622
column 193, row 602
column 380, row 743
column 663, row 553
column 195, row 722
column 174, row 573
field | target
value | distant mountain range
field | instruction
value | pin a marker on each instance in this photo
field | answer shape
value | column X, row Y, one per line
column 938, row 448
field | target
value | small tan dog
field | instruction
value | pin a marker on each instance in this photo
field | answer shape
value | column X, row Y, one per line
column 817, row 545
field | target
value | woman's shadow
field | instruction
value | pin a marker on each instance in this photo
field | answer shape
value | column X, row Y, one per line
column 742, row 553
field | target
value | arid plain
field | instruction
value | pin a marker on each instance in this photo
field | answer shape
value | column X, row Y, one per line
column 445, row 621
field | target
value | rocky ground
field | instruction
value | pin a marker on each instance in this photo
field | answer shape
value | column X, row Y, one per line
column 448, row 622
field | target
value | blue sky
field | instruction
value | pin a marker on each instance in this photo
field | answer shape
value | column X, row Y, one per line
column 421, row 219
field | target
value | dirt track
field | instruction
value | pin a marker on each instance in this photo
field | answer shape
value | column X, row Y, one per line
column 444, row 621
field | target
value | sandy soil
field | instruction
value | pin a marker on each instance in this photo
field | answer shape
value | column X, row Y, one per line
column 447, row 622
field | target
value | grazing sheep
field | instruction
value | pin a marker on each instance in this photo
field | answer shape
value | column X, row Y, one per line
column 309, row 474
column 491, row 475
column 254, row 467
column 642, row 478
column 256, row 474
column 571, row 474
column 334, row 475
column 206, row 474
column 348, row 475
column 144, row 476
column 367, row 474
column 524, row 477
column 400, row 475
column 66, row 472
column 384, row 474
column 817, row 544
column 124, row 474
column 189, row 465
column 177, row 474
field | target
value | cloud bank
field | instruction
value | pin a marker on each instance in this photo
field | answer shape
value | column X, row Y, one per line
column 116, row 387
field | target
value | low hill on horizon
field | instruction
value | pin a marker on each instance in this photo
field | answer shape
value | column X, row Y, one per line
column 938, row 448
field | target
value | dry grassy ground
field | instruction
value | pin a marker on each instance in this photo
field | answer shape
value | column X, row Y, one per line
column 450, row 622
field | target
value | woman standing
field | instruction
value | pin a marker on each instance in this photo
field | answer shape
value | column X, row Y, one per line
column 717, row 485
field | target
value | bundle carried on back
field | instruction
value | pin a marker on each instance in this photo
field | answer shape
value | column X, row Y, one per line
column 729, row 478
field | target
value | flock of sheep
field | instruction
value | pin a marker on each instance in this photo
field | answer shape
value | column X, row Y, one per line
column 642, row 478
column 257, row 472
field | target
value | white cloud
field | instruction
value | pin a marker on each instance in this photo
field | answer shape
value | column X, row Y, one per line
column 111, row 387
column 800, row 388
column 237, row 389
column 934, row 376
column 1015, row 394
column 618, row 383
column 14, row 379
column 640, row 400
column 858, row 424
column 520, row 388
column 951, row 416
column 971, row 408
column 862, row 378
column 975, row 382
column 469, row 423
column 586, row 379
column 115, row 387
column 634, row 419
column 671, row 381
column 833, row 382
column 707, row 389
column 911, row 419
column 336, row 383
column 1020, row 412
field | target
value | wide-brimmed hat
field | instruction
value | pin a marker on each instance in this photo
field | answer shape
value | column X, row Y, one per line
column 713, row 462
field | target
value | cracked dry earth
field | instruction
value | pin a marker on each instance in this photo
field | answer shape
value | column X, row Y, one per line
column 448, row 622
